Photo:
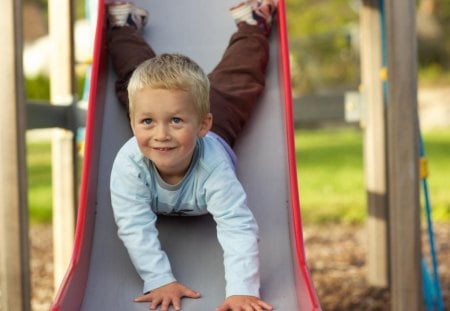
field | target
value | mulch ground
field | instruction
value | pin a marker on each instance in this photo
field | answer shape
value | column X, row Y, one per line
column 335, row 256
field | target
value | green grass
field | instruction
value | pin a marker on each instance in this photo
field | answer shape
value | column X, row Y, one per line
column 329, row 170
column 437, row 151
column 330, row 175
column 39, row 182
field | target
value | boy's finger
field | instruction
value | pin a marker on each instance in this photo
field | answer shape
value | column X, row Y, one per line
column 265, row 305
column 257, row 307
column 143, row 298
column 176, row 304
column 223, row 307
column 165, row 304
column 155, row 303
column 191, row 293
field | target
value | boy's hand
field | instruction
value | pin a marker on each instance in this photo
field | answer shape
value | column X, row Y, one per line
column 168, row 295
column 247, row 303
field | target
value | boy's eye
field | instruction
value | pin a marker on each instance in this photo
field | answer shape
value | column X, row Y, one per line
column 176, row 120
column 147, row 121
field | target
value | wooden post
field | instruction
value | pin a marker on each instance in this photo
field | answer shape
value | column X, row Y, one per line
column 403, row 157
column 63, row 159
column 14, row 262
column 374, row 144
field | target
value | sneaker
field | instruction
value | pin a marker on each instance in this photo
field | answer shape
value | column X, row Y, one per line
column 123, row 13
column 255, row 12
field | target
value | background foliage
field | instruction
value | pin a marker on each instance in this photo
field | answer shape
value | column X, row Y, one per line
column 324, row 37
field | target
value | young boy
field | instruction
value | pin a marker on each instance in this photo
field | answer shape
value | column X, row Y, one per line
column 179, row 161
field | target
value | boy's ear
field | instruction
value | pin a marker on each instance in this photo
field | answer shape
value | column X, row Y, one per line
column 205, row 125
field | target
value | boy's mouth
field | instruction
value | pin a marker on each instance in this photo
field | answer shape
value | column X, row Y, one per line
column 163, row 148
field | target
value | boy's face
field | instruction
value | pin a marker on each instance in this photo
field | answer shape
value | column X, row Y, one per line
column 166, row 127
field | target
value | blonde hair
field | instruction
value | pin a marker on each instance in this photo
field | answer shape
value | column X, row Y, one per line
column 172, row 72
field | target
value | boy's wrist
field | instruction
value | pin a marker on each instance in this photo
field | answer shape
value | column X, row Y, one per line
column 249, row 290
column 158, row 282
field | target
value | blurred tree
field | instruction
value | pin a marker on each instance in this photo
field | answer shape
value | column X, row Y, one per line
column 323, row 38
column 322, row 35
column 79, row 6
column 430, row 32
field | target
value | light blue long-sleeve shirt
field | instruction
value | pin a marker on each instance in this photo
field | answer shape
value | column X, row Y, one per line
column 138, row 194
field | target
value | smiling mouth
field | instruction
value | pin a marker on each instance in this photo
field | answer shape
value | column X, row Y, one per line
column 163, row 148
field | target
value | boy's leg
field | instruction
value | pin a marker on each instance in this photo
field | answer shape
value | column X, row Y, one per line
column 238, row 80
column 126, row 46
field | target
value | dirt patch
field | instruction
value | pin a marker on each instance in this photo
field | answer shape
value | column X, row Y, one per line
column 41, row 263
column 335, row 255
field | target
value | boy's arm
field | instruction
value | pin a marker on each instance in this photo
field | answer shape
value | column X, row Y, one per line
column 237, row 232
column 130, row 198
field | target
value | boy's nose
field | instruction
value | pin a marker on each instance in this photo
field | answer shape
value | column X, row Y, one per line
column 162, row 133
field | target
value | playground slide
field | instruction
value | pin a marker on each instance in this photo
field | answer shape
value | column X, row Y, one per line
column 101, row 276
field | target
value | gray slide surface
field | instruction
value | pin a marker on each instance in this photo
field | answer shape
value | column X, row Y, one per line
column 201, row 30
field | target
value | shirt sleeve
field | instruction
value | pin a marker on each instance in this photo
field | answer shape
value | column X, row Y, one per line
column 237, row 231
column 130, row 199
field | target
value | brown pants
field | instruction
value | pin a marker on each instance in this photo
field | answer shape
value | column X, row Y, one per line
column 236, row 82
